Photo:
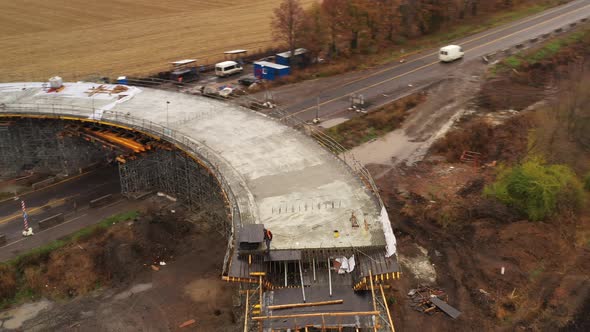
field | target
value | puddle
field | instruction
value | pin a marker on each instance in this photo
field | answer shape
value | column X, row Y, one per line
column 14, row 318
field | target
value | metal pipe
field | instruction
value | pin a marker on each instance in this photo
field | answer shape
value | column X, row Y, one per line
column 301, row 277
column 313, row 262
column 329, row 277
column 246, row 314
column 373, row 296
column 285, row 274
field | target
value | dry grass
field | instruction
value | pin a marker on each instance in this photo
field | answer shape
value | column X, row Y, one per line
column 78, row 38
column 375, row 124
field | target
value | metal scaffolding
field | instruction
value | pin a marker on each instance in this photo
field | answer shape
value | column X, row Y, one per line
column 180, row 176
column 32, row 144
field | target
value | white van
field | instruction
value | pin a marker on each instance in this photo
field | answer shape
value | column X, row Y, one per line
column 450, row 53
column 227, row 68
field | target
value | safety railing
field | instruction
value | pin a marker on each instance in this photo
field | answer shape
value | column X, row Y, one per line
column 249, row 101
column 239, row 197
column 331, row 145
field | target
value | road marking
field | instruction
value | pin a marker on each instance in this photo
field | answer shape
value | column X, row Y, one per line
column 63, row 223
column 509, row 26
column 49, row 186
column 114, row 203
column 32, row 210
column 433, row 63
column 66, row 222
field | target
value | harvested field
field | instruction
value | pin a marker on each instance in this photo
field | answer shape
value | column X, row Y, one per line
column 76, row 39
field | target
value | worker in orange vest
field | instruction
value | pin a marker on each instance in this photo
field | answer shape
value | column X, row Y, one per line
column 267, row 239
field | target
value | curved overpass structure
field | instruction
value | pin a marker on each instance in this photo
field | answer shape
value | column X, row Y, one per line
column 270, row 174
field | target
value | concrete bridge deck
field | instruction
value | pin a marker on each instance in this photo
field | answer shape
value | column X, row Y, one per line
column 273, row 174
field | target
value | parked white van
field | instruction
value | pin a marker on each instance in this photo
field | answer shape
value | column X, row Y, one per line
column 227, row 68
column 450, row 53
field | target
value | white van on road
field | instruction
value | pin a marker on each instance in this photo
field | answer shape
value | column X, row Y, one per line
column 227, row 68
column 450, row 53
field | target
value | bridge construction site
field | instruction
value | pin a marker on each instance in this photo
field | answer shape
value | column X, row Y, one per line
column 332, row 252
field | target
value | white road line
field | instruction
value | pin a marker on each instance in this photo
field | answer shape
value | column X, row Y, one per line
column 63, row 223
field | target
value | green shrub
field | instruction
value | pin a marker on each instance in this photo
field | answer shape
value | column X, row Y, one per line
column 513, row 62
column 536, row 189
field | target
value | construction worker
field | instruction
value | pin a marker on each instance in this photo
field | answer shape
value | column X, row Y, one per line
column 267, row 239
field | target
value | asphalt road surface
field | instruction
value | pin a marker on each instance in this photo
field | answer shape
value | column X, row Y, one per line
column 65, row 197
column 387, row 83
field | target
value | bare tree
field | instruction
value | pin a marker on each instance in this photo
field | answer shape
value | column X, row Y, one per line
column 288, row 22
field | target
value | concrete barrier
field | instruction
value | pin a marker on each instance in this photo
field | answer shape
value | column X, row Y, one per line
column 2, row 240
column 51, row 221
column 101, row 201
column 43, row 184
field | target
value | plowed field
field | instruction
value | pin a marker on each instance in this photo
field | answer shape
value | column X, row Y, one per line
column 77, row 38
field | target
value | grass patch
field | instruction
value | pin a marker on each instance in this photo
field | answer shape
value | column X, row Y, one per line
column 15, row 274
column 375, row 124
column 546, row 51
column 42, row 253
column 512, row 62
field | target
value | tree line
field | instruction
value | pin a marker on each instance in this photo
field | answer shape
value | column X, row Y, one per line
column 343, row 27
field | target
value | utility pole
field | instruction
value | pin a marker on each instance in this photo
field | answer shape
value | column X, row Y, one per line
column 316, row 120
column 167, row 123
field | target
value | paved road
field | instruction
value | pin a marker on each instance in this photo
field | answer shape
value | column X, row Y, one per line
column 64, row 197
column 76, row 221
column 391, row 81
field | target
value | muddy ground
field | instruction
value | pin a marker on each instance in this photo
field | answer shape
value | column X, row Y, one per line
column 131, row 291
column 451, row 236
column 467, row 241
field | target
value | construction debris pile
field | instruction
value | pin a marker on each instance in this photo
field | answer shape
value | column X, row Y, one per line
column 429, row 300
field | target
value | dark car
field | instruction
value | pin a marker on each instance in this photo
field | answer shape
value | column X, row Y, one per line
column 248, row 80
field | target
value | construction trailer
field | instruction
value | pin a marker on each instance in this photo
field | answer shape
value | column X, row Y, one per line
column 300, row 59
column 235, row 55
column 338, row 289
column 184, row 71
column 269, row 71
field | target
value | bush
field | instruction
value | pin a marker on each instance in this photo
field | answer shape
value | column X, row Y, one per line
column 587, row 182
column 536, row 189
column 7, row 281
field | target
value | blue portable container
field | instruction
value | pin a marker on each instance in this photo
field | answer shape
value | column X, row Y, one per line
column 270, row 71
column 122, row 80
